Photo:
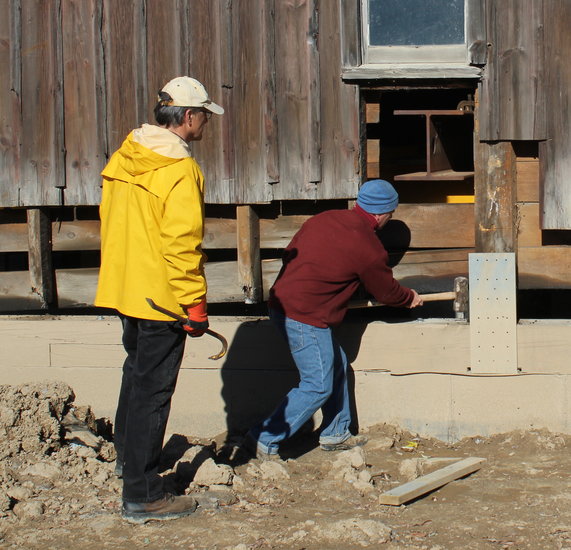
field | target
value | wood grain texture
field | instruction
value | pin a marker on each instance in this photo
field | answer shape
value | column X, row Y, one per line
column 125, row 88
column 42, row 166
column 513, row 101
column 555, row 153
column 84, row 112
column 495, row 186
column 429, row 482
column 249, row 265
column 340, row 116
column 42, row 277
column 527, row 180
column 10, row 97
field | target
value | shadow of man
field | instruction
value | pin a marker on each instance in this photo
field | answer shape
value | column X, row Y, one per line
column 259, row 372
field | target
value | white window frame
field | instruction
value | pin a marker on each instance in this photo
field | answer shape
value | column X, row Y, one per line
column 403, row 55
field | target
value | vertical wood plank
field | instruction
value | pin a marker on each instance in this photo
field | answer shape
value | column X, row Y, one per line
column 10, row 92
column 168, row 46
column 213, row 67
column 555, row 153
column 42, row 276
column 84, row 83
column 513, row 95
column 340, row 114
column 249, row 264
column 476, row 39
column 298, row 95
column 249, row 24
column 350, row 32
column 43, row 155
column 126, row 92
column 495, row 184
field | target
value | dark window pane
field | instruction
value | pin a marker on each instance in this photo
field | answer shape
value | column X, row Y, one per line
column 416, row 22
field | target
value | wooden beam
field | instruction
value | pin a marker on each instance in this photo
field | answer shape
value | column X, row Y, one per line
column 249, row 266
column 527, row 179
column 495, row 180
column 544, row 267
column 429, row 482
column 41, row 272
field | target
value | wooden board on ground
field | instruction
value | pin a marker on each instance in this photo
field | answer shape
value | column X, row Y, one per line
column 429, row 482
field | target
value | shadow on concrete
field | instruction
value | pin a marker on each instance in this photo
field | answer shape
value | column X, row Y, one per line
column 259, row 371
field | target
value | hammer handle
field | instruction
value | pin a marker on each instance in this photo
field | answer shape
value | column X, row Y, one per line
column 425, row 297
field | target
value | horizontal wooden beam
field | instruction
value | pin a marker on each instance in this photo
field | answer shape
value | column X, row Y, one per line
column 419, row 225
column 428, row 271
column 544, row 267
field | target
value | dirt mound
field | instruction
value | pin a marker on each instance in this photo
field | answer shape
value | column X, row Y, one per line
column 58, row 490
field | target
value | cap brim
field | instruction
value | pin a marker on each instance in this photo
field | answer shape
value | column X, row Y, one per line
column 214, row 108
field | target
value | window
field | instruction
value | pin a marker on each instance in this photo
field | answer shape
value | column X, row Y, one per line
column 413, row 31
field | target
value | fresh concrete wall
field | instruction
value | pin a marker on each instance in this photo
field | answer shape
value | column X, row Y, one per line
column 413, row 374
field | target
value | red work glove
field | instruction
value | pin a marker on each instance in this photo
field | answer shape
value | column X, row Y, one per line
column 197, row 320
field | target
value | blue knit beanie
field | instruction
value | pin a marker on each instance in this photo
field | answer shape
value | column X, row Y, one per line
column 377, row 197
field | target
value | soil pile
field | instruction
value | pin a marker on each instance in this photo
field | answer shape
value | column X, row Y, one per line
column 58, row 489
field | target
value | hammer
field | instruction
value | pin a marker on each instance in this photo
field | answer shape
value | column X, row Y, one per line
column 459, row 295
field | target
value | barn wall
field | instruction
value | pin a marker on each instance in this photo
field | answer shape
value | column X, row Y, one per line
column 77, row 75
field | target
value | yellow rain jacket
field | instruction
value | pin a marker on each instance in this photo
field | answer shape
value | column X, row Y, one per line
column 152, row 224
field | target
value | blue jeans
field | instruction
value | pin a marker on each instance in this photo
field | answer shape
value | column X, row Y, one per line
column 322, row 367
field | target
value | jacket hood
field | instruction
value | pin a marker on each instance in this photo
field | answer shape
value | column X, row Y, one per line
column 145, row 149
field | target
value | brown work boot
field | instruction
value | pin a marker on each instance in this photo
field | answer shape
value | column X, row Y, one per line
column 168, row 507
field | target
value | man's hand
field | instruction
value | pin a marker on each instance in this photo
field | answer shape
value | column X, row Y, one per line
column 416, row 300
column 197, row 320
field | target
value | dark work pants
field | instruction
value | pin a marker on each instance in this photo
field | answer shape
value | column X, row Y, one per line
column 154, row 354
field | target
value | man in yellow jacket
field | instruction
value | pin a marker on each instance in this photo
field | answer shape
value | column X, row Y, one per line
column 152, row 218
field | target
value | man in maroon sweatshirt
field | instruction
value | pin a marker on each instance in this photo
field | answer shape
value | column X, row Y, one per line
column 325, row 262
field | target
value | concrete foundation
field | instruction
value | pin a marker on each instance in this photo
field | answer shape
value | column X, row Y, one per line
column 412, row 374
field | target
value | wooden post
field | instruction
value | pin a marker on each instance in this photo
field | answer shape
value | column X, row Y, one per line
column 42, row 276
column 249, row 263
column 495, row 193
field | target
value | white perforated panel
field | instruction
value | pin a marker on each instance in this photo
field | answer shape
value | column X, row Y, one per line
column 493, row 315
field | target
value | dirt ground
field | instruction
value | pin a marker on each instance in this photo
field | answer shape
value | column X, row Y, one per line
column 58, row 491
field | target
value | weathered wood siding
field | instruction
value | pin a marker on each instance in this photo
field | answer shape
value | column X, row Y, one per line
column 77, row 75
column 512, row 94
column 555, row 153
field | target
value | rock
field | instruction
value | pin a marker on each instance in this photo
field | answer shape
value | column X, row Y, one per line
column 5, row 503
column 364, row 532
column 83, row 451
column 186, row 466
column 107, row 452
column 273, row 471
column 381, row 444
column 365, row 476
column 410, row 468
column 354, row 457
column 82, row 436
column 42, row 469
column 29, row 510
column 348, row 465
column 210, row 473
column 19, row 493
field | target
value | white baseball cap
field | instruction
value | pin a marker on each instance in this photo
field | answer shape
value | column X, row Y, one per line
column 188, row 92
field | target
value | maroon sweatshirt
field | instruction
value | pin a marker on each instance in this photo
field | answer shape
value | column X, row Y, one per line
column 324, row 263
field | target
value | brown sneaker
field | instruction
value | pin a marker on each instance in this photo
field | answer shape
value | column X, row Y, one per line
column 168, row 507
